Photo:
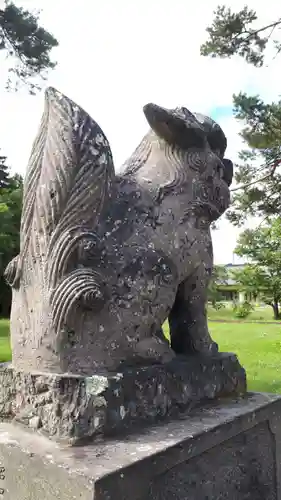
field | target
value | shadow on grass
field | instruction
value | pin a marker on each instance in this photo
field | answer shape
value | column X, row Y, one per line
column 4, row 328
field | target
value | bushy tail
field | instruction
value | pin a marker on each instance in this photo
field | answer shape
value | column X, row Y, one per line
column 66, row 186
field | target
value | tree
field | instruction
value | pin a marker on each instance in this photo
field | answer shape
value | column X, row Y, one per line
column 219, row 277
column 259, row 171
column 233, row 33
column 27, row 44
column 10, row 216
column 263, row 275
column 4, row 173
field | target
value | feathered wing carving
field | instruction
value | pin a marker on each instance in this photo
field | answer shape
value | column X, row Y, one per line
column 66, row 188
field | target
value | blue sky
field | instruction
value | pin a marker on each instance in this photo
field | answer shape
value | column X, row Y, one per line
column 114, row 57
column 219, row 113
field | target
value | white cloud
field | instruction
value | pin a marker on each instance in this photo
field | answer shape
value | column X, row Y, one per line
column 116, row 56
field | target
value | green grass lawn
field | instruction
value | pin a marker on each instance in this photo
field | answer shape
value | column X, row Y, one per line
column 226, row 313
column 5, row 350
column 258, row 347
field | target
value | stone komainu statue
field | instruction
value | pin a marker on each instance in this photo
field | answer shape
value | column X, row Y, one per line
column 105, row 259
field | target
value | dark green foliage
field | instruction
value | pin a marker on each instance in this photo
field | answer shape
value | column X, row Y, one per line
column 262, row 277
column 4, row 173
column 259, row 171
column 232, row 33
column 10, row 215
column 27, row 43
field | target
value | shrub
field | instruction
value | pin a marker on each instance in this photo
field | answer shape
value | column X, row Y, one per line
column 218, row 305
column 242, row 310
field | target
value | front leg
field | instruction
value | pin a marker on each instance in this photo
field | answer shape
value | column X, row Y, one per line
column 188, row 317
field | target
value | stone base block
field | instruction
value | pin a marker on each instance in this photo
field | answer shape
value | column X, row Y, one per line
column 74, row 408
column 229, row 450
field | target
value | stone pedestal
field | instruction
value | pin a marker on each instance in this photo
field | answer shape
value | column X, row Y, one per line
column 227, row 450
column 76, row 408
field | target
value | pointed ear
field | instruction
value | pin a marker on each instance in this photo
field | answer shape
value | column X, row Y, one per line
column 177, row 127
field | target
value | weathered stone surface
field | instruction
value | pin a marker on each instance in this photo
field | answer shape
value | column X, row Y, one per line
column 246, row 464
column 105, row 259
column 230, row 450
column 72, row 407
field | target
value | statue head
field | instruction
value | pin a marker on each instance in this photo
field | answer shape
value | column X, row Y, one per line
column 194, row 147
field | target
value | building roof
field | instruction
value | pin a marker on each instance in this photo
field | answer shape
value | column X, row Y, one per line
column 230, row 281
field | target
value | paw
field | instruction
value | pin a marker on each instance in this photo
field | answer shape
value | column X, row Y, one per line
column 155, row 350
column 205, row 347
